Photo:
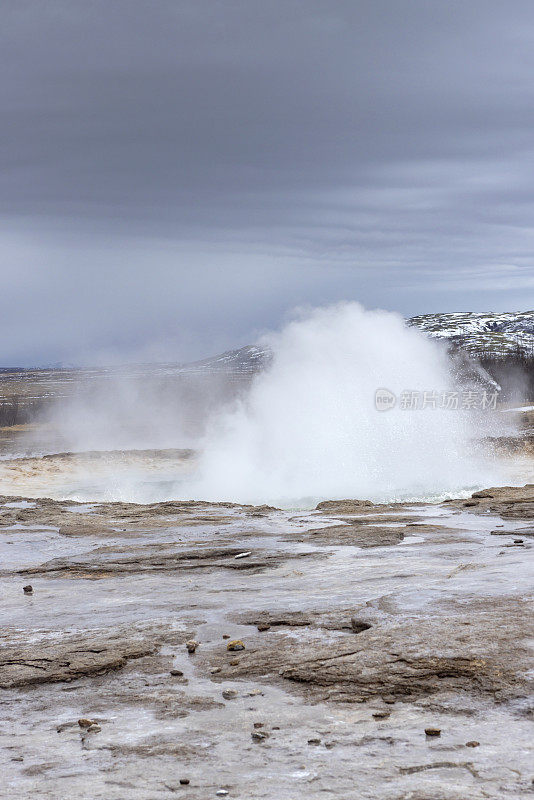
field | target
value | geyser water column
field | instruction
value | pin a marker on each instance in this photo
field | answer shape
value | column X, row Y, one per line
column 308, row 428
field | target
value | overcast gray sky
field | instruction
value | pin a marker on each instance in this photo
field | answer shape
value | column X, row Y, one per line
column 177, row 175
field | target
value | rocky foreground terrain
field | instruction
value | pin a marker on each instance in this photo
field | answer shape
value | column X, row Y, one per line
column 204, row 650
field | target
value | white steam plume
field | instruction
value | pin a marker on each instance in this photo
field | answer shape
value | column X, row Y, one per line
column 308, row 429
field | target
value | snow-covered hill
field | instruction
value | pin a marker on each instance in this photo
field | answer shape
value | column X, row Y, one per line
column 247, row 359
column 476, row 333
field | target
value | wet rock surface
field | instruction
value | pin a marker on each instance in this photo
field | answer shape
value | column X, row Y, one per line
column 360, row 628
column 67, row 657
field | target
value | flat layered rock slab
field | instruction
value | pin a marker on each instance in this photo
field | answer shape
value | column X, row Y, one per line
column 509, row 502
column 361, row 534
column 65, row 657
column 106, row 562
column 405, row 659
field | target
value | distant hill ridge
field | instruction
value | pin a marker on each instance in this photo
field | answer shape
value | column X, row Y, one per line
column 498, row 334
column 491, row 333
column 495, row 334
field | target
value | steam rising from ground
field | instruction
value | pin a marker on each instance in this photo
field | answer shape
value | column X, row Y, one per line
column 302, row 430
column 308, row 428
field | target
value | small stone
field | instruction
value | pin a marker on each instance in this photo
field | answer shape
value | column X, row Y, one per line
column 244, row 555
column 17, row 758
column 221, row 792
column 433, row 731
column 381, row 714
column 276, row 727
column 314, row 741
column 518, row 541
column 184, row 781
column 94, row 728
column 258, row 724
column 229, row 694
column 235, row 644
column 329, row 745
column 263, row 626
column 389, row 700
column 215, row 670
column 472, row 743
column 259, row 736
column 234, row 662
column 85, row 723
column 27, row 589
column 191, row 645
column 177, row 672
column 226, row 635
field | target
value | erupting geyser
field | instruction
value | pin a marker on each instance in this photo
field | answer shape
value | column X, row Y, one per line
column 308, row 428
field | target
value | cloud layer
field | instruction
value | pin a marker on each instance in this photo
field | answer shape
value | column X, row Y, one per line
column 177, row 175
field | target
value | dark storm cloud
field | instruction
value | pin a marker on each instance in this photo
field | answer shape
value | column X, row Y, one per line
column 176, row 174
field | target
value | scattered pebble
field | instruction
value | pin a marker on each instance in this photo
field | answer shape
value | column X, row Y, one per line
column 215, row 670
column 184, row 781
column 17, row 758
column 263, row 626
column 229, row 694
column 177, row 672
column 226, row 635
column 191, row 645
column 235, row 644
column 258, row 724
column 381, row 714
column 234, row 662
column 85, row 723
column 314, row 741
column 244, row 555
column 94, row 728
column 518, row 541
column 27, row 589
column 472, row 744
column 389, row 700
column 259, row 736
column 221, row 792
column 433, row 731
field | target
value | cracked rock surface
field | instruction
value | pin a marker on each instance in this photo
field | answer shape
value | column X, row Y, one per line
column 362, row 626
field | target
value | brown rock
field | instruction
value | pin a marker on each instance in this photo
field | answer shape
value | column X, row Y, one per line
column 235, row 644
